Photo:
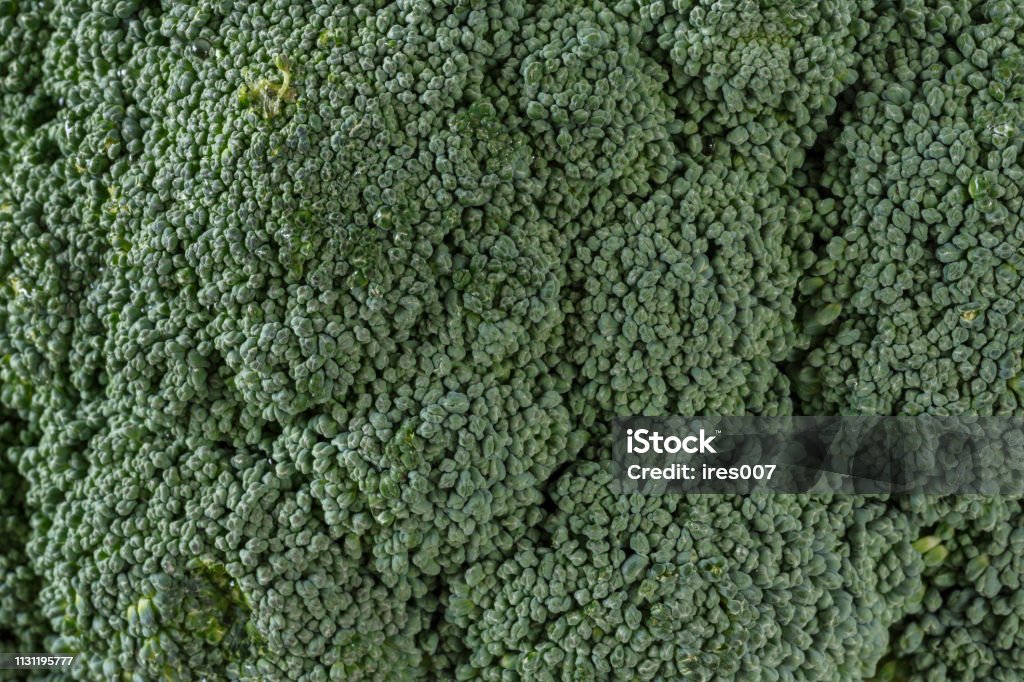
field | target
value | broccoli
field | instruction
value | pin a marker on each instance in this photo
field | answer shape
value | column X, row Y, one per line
column 709, row 587
column 22, row 624
column 922, row 264
column 314, row 318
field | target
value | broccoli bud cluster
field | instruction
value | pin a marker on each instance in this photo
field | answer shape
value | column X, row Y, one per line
column 314, row 318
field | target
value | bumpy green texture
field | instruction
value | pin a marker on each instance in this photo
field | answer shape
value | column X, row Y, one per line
column 923, row 267
column 314, row 316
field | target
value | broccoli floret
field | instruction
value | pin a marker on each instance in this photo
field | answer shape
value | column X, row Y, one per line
column 314, row 318
column 23, row 626
column 629, row 587
column 918, row 280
